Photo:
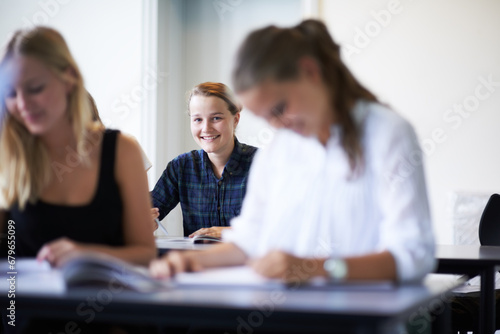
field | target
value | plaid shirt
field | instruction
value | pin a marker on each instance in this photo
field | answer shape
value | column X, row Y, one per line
column 205, row 200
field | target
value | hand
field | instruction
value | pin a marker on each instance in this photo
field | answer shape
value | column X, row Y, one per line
column 173, row 263
column 155, row 213
column 289, row 268
column 214, row 231
column 59, row 251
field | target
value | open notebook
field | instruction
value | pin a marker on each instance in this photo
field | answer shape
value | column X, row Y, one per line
column 93, row 269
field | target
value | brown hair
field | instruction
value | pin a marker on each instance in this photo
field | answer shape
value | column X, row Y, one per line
column 216, row 89
column 273, row 53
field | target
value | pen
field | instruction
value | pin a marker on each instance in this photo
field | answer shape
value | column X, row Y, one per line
column 161, row 226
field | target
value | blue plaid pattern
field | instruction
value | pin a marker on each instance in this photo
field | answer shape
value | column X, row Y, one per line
column 205, row 200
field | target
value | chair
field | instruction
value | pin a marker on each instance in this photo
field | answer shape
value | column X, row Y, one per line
column 489, row 235
column 489, row 225
column 464, row 210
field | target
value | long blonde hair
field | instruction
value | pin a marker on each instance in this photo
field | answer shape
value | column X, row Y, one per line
column 25, row 168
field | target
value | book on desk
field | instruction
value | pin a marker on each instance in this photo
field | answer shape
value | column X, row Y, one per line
column 89, row 269
column 197, row 239
column 96, row 270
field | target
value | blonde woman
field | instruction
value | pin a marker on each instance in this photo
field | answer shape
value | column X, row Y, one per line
column 67, row 185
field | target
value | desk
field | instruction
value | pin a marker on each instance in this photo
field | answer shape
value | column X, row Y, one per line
column 246, row 310
column 474, row 260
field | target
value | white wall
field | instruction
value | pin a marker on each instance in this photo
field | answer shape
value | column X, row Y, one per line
column 424, row 59
column 105, row 38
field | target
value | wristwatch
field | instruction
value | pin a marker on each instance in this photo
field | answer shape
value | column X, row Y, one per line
column 336, row 269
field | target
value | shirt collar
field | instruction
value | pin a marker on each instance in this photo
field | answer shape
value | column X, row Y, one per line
column 233, row 164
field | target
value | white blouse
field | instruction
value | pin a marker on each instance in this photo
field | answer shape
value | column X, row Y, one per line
column 302, row 197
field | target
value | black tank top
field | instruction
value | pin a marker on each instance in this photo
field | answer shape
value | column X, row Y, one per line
column 99, row 222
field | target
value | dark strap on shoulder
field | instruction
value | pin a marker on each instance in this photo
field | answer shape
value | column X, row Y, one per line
column 108, row 154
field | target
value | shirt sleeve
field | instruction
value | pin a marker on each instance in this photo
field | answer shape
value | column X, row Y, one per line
column 165, row 195
column 147, row 163
column 406, row 229
column 245, row 229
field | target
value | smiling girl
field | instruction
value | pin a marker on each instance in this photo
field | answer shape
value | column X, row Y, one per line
column 209, row 183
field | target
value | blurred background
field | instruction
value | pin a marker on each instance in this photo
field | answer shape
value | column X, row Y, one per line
column 436, row 62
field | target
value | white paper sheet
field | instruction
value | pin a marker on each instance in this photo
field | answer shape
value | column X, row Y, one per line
column 474, row 285
column 31, row 277
column 232, row 276
column 244, row 276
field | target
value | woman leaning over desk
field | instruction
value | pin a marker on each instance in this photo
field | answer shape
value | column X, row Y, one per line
column 209, row 183
column 66, row 184
column 340, row 192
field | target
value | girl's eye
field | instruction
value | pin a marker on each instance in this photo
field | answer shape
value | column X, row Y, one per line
column 197, row 120
column 36, row 90
column 217, row 118
column 278, row 109
column 10, row 94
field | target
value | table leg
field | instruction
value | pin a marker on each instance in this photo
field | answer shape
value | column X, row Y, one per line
column 487, row 312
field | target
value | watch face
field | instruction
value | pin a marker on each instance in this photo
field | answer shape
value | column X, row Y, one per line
column 336, row 268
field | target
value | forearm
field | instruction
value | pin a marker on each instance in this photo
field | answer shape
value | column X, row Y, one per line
column 225, row 254
column 290, row 268
column 378, row 266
